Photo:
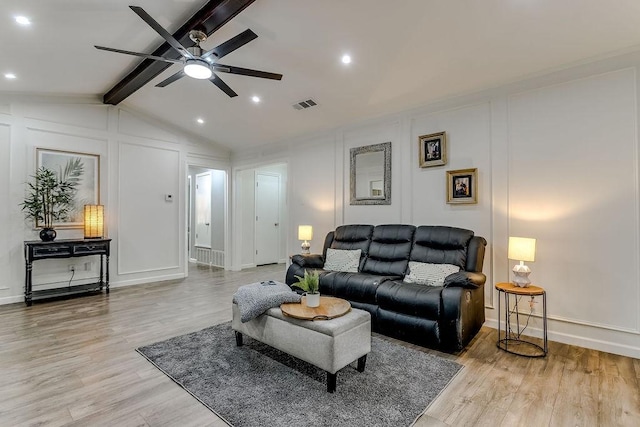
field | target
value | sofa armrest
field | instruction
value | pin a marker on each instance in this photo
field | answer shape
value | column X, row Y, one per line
column 462, row 315
column 465, row 279
column 308, row 261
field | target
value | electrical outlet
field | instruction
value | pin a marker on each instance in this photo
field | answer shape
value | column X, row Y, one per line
column 72, row 267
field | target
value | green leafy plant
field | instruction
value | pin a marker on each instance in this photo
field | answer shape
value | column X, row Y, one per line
column 310, row 283
column 49, row 198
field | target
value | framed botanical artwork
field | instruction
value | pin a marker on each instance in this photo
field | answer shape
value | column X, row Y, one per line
column 433, row 149
column 82, row 170
column 462, row 186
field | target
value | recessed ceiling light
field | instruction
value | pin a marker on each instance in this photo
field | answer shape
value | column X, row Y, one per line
column 200, row 120
column 23, row 20
column 10, row 76
column 346, row 59
column 255, row 99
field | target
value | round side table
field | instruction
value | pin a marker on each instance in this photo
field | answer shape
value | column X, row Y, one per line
column 513, row 341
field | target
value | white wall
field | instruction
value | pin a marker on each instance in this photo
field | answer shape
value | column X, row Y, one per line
column 141, row 160
column 557, row 158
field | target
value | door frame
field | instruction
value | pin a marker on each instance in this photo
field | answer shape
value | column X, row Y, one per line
column 209, row 163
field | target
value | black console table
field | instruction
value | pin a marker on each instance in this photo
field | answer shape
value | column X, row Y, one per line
column 65, row 248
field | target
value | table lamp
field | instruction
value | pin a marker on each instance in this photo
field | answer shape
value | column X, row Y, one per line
column 305, row 232
column 522, row 249
column 93, row 221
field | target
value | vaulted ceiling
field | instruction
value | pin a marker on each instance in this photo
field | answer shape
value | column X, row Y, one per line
column 404, row 53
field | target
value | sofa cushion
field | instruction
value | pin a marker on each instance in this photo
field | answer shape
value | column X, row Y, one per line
column 351, row 237
column 389, row 250
column 358, row 287
column 441, row 245
column 424, row 273
column 410, row 298
column 342, row 260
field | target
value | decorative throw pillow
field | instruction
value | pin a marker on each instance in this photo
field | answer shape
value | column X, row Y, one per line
column 342, row 260
column 424, row 273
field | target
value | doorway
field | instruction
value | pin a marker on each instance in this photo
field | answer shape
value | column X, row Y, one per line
column 206, row 220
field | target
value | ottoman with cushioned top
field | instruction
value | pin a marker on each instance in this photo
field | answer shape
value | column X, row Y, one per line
column 328, row 344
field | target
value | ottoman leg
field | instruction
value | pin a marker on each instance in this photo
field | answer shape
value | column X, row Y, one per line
column 238, row 338
column 361, row 362
column 331, row 382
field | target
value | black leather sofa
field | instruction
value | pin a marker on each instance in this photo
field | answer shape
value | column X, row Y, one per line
column 443, row 317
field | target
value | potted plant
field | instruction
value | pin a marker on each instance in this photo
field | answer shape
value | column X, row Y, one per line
column 48, row 199
column 310, row 283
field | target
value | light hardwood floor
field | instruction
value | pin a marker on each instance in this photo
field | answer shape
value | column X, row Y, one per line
column 72, row 362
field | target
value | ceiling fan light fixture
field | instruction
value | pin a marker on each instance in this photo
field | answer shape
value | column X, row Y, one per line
column 198, row 69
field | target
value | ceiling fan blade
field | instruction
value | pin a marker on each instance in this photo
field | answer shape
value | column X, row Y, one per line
column 247, row 72
column 177, row 76
column 230, row 45
column 222, row 85
column 142, row 55
column 160, row 30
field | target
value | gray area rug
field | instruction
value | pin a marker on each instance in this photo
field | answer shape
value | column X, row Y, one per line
column 256, row 385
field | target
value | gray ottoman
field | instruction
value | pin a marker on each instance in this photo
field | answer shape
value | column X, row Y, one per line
column 328, row 344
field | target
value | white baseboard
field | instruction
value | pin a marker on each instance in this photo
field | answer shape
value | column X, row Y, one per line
column 593, row 344
column 119, row 284
column 12, row 300
column 123, row 283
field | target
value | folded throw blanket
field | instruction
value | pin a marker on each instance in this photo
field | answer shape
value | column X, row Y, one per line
column 256, row 298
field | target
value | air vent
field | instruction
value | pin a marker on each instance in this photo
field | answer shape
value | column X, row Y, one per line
column 305, row 104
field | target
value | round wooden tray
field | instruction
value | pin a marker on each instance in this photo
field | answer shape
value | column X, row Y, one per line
column 329, row 308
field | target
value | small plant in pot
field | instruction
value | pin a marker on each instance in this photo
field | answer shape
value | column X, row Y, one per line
column 310, row 283
column 48, row 199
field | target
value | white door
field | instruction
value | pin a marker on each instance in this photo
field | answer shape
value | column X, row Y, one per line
column 189, row 221
column 267, row 218
column 203, row 210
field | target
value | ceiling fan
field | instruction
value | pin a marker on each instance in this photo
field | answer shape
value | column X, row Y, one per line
column 197, row 63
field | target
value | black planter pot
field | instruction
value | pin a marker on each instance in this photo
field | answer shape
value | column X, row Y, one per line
column 48, row 234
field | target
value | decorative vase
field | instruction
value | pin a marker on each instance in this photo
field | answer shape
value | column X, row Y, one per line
column 48, row 234
column 313, row 300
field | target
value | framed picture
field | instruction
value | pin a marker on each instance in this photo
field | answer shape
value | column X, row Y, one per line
column 81, row 169
column 462, row 186
column 433, row 149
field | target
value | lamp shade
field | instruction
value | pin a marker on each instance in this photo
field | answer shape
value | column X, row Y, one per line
column 522, row 249
column 305, row 232
column 93, row 221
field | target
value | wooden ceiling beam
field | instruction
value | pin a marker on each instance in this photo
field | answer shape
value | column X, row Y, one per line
column 210, row 18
